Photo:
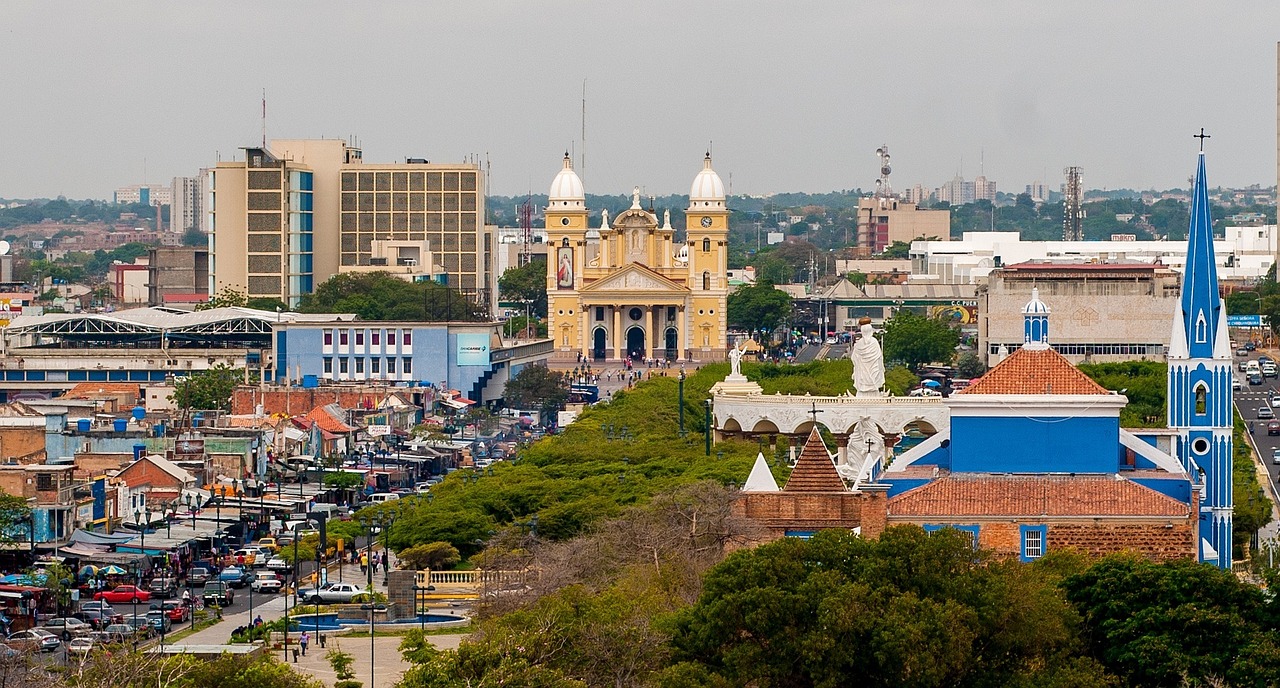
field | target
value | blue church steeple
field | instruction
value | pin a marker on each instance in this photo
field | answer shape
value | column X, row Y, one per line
column 1199, row 385
column 1035, row 322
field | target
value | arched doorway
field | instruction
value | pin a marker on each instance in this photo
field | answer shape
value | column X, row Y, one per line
column 672, row 345
column 597, row 344
column 635, row 343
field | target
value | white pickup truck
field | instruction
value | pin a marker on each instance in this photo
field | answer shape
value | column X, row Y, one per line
column 333, row 593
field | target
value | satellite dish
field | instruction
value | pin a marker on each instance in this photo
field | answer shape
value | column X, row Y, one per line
column 4, row 248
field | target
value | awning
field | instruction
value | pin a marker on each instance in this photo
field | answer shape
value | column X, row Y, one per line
column 85, row 537
column 294, row 434
column 453, row 403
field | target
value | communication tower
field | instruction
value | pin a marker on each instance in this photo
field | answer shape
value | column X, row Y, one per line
column 526, row 231
column 883, row 189
column 1072, row 208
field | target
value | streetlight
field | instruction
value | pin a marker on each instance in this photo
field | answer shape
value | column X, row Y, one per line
column 707, row 431
column 368, row 524
column 388, row 518
column 681, row 388
column 168, row 518
column 138, row 516
column 373, row 665
column 192, row 501
column 296, row 529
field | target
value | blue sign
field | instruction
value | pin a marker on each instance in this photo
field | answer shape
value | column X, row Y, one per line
column 1244, row 321
column 473, row 349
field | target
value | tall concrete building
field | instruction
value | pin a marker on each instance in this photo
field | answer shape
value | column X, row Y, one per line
column 882, row 221
column 297, row 212
column 146, row 194
column 187, row 211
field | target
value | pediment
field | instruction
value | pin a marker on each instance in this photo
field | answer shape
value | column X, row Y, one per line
column 633, row 218
column 635, row 277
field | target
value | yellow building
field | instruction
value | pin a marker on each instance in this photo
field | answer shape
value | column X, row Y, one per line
column 628, row 289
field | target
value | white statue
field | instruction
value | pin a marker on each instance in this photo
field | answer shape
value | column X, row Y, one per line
column 604, row 218
column 866, row 449
column 735, row 362
column 868, row 364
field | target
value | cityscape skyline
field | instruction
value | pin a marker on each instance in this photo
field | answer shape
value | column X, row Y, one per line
column 662, row 86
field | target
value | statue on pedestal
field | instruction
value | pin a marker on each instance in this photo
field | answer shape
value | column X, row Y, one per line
column 735, row 362
column 868, row 363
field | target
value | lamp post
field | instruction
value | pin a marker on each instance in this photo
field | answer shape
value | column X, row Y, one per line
column 373, row 665
column 388, row 518
column 171, row 508
column 192, row 501
column 368, row 525
column 138, row 516
column 707, row 432
column 296, row 528
column 681, row 388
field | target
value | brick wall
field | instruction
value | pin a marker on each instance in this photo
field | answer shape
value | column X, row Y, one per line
column 90, row 464
column 299, row 401
column 15, row 483
column 774, row 513
column 145, row 472
column 1155, row 541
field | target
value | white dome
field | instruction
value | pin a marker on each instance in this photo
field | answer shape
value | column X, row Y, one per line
column 1035, row 306
column 707, row 190
column 566, row 189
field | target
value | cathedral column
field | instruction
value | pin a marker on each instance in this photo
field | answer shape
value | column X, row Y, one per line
column 584, row 333
column 842, row 449
column 617, row 333
column 651, row 321
column 680, row 342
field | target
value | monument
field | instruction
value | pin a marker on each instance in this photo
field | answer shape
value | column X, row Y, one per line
column 735, row 382
column 868, row 363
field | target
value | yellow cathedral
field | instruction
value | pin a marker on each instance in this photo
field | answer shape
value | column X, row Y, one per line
column 627, row 290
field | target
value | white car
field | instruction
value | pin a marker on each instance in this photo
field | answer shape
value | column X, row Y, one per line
column 278, row 564
column 267, row 581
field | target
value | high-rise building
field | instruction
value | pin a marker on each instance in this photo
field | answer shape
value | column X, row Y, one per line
column 298, row 212
column 1038, row 191
column 187, row 208
column 984, row 189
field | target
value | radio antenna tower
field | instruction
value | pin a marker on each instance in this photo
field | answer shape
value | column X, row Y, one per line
column 883, row 188
column 526, row 231
column 1072, row 210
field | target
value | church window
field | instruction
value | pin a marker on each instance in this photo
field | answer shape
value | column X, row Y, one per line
column 635, row 313
column 1033, row 538
column 1201, row 393
column 1200, row 445
column 706, row 245
column 1202, row 329
column 706, row 280
column 599, row 313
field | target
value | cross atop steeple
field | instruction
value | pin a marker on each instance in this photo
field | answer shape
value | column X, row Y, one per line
column 1202, row 136
column 814, row 412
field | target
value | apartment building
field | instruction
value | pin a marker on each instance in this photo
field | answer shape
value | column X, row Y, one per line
column 297, row 212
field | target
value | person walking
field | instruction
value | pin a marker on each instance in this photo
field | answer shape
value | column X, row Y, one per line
column 306, row 638
column 364, row 562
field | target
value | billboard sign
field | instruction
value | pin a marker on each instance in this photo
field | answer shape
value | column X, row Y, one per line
column 473, row 349
column 1245, row 321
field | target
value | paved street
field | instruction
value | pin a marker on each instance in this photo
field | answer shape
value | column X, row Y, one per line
column 1248, row 400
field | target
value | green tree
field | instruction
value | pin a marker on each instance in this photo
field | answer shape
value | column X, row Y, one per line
column 758, row 307
column 207, row 389
column 906, row 609
column 382, row 296
column 526, row 284
column 970, row 365
column 1177, row 623
column 14, row 515
column 437, row 556
column 341, row 663
column 899, row 250
column 537, row 387
column 915, row 340
column 227, row 297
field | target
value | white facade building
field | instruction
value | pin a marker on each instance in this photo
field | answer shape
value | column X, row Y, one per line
column 1245, row 254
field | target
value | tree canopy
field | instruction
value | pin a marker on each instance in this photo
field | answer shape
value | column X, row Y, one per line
column 758, row 307
column 537, row 387
column 207, row 389
column 526, row 284
column 382, row 296
column 915, row 340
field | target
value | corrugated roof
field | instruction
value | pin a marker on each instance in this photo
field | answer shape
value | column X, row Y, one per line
column 90, row 390
column 814, row 470
column 1034, row 371
column 1033, row 496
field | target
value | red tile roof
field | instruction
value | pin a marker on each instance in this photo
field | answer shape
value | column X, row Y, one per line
column 322, row 416
column 1034, row 371
column 89, row 390
column 1033, row 496
column 814, row 471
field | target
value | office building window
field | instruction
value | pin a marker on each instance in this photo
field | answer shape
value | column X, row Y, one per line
column 407, row 366
column 359, row 365
column 342, row 337
column 328, row 364
column 328, row 337
column 391, row 337
column 391, row 366
column 342, row 365
column 375, row 337
column 375, row 365
column 408, row 338
column 359, row 337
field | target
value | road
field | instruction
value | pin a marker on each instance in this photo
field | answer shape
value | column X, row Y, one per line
column 1248, row 400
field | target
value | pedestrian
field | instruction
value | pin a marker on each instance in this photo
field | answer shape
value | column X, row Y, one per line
column 306, row 638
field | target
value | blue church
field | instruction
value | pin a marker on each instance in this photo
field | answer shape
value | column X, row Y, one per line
column 1036, row 460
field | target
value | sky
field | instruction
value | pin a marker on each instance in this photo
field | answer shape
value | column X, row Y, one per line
column 789, row 96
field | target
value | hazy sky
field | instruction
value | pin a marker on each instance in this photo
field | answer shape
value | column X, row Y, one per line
column 795, row 95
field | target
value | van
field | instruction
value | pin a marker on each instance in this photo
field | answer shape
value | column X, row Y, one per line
column 383, row 497
column 333, row 512
column 1252, row 368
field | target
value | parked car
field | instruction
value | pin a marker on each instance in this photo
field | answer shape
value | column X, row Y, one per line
column 234, row 576
column 163, row 587
column 96, row 619
column 68, row 627
column 81, row 646
column 199, row 575
column 1275, row 456
column 278, row 564
column 267, row 581
column 159, row 621
column 1273, row 427
column 123, row 594
column 1265, row 413
column 34, row 640
column 217, row 594
column 119, row 633
column 177, row 611
column 333, row 593
column 139, row 624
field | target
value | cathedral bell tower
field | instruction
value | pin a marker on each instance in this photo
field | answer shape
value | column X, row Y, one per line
column 707, row 240
column 1199, row 385
column 566, row 219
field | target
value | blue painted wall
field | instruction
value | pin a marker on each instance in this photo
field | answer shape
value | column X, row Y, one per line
column 1021, row 445
column 1178, row 489
column 899, row 485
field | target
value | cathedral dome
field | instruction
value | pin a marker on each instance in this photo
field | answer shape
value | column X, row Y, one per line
column 707, row 190
column 1035, row 306
column 566, row 189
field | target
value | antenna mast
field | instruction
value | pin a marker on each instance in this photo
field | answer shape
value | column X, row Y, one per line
column 264, row 118
column 1072, row 210
column 526, row 230
column 582, row 157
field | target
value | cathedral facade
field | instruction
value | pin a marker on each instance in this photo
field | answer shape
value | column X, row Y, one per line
column 628, row 289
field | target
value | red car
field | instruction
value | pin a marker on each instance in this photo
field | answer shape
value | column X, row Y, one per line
column 175, row 609
column 124, row 594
